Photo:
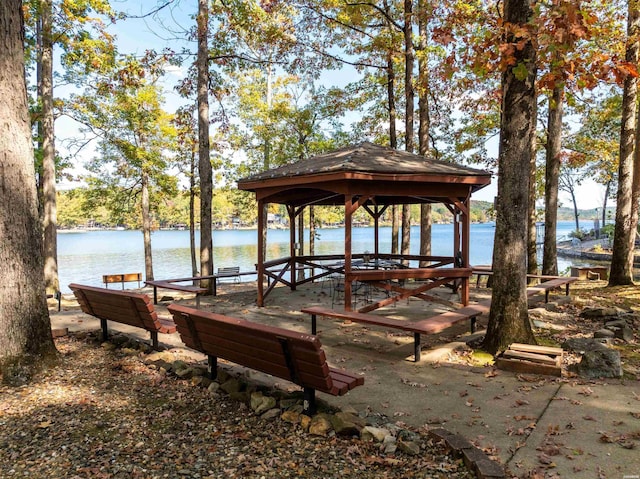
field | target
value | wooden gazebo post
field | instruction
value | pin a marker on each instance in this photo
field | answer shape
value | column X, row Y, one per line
column 292, row 245
column 261, row 250
column 348, row 214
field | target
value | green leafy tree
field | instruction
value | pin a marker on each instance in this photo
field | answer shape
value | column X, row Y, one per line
column 124, row 111
column 86, row 46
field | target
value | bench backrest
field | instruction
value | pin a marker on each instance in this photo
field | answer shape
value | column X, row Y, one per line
column 229, row 270
column 125, row 307
column 121, row 278
column 295, row 357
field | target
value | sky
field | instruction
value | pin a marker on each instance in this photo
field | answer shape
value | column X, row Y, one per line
column 134, row 36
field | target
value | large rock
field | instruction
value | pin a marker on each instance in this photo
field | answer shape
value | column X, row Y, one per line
column 260, row 403
column 599, row 313
column 232, row 385
column 600, row 364
column 346, row 424
column 320, row 425
column 581, row 345
column 375, row 434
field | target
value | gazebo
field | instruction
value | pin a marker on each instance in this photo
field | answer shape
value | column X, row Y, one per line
column 372, row 177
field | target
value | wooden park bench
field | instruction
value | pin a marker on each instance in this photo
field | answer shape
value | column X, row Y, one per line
column 432, row 325
column 295, row 357
column 133, row 309
column 547, row 286
column 228, row 273
column 108, row 279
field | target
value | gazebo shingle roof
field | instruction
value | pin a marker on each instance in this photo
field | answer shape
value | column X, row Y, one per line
column 367, row 158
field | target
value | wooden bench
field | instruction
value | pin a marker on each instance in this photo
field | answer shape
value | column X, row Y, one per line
column 228, row 272
column 171, row 284
column 108, row 279
column 124, row 307
column 295, row 357
column 431, row 325
column 547, row 286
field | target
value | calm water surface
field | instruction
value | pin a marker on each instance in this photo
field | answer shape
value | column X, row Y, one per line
column 84, row 257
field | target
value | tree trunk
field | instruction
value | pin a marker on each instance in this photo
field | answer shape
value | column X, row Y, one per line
column 312, row 231
column 146, row 226
column 508, row 318
column 405, row 247
column 192, row 218
column 25, row 328
column 204, row 160
column 49, row 210
column 551, row 179
column 395, row 229
column 532, row 237
column 623, row 240
column 393, row 135
column 576, row 213
column 424, row 126
column 604, row 202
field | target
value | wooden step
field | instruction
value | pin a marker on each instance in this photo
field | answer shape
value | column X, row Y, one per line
column 533, row 359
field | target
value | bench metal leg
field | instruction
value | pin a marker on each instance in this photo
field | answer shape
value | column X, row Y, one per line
column 546, row 296
column 309, row 405
column 473, row 324
column 567, row 291
column 314, row 328
column 154, row 340
column 212, row 367
column 197, row 301
column 155, row 295
column 58, row 296
column 105, row 331
column 416, row 347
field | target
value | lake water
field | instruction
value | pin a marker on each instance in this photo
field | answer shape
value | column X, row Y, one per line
column 83, row 257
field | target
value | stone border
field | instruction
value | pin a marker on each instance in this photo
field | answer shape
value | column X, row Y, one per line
column 475, row 459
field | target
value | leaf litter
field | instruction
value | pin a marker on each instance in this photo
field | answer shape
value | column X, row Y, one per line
column 105, row 414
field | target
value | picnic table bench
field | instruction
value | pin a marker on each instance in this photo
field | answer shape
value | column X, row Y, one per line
column 295, row 357
column 547, row 286
column 133, row 309
column 229, row 272
column 171, row 284
column 432, row 325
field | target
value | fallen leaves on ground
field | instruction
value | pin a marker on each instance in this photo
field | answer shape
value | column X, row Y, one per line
column 105, row 414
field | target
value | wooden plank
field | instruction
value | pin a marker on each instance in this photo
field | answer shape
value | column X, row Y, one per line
column 536, row 358
column 533, row 348
column 528, row 367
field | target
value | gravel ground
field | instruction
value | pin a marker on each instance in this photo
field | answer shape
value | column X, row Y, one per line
column 103, row 413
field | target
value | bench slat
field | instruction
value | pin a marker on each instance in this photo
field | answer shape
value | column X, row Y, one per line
column 123, row 313
column 275, row 351
column 228, row 339
column 133, row 309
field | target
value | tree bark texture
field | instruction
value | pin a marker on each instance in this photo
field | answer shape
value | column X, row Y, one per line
column 532, row 237
column 405, row 246
column 192, row 217
column 551, row 179
column 49, row 207
column 25, row 329
column 204, row 159
column 424, row 125
column 623, row 240
column 146, row 226
column 508, row 318
column 393, row 135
